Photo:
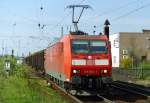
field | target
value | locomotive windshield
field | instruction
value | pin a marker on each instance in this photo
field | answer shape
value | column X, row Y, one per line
column 91, row 46
column 80, row 46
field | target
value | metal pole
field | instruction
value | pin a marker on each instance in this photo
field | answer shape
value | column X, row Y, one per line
column 62, row 31
column 73, row 15
column 132, row 62
column 2, row 47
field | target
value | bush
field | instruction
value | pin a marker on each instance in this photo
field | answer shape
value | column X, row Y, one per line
column 126, row 63
column 15, row 69
column 145, row 65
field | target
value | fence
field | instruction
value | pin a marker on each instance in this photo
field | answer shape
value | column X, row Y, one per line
column 130, row 74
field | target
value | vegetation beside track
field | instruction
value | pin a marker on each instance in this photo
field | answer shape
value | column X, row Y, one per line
column 18, row 87
column 140, row 71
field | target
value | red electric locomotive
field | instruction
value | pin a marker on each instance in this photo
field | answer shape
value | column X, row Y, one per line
column 82, row 61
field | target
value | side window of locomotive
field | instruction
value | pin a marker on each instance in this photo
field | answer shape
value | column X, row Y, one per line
column 98, row 47
column 80, row 46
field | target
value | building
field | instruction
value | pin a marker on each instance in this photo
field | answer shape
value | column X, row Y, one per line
column 19, row 60
column 135, row 45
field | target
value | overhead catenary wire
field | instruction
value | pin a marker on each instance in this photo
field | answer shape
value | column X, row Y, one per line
column 112, row 10
column 127, row 14
column 53, row 25
column 67, row 15
column 36, row 21
column 114, row 19
column 131, row 12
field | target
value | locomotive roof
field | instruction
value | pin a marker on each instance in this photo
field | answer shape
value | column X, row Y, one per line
column 82, row 37
column 89, row 37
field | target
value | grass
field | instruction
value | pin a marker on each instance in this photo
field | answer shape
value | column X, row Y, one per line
column 18, row 88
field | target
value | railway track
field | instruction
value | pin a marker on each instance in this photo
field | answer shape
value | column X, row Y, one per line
column 81, row 99
column 118, row 94
column 132, row 88
column 94, row 99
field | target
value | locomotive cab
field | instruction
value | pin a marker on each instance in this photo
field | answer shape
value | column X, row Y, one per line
column 90, row 61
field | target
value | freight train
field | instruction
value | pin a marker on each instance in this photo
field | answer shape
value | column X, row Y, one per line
column 76, row 61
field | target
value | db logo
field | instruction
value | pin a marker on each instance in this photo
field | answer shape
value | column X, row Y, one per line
column 89, row 57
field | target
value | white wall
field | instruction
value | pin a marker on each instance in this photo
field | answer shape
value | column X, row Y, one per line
column 114, row 39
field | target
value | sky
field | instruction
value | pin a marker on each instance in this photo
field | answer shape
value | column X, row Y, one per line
column 20, row 19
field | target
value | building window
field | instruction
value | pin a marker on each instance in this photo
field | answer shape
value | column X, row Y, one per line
column 125, row 56
column 115, row 59
column 143, row 58
column 125, row 52
column 148, row 47
column 116, row 43
column 147, row 38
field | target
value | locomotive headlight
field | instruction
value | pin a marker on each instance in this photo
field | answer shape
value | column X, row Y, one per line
column 105, row 71
column 101, row 62
column 76, row 71
column 79, row 62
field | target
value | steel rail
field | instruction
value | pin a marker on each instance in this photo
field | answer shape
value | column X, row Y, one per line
column 74, row 98
column 105, row 99
column 131, row 89
column 131, row 85
column 59, row 89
